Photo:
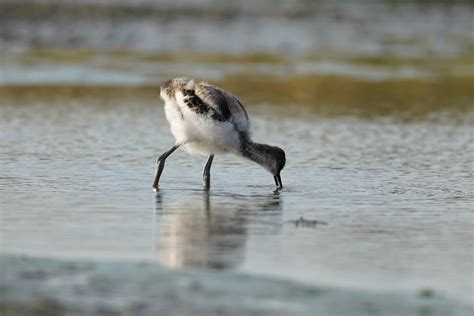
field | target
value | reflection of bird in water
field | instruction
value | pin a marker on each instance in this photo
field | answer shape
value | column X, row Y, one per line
column 187, row 234
column 206, row 120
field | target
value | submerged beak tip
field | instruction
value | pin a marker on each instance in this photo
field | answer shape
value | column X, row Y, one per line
column 278, row 182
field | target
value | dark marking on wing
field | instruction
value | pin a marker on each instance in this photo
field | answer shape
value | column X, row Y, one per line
column 195, row 104
column 216, row 98
column 220, row 100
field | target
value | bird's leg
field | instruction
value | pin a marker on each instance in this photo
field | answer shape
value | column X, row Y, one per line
column 161, row 164
column 207, row 173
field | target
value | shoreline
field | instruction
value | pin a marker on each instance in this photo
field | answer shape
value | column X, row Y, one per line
column 30, row 285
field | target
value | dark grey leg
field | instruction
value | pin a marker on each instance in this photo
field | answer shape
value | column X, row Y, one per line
column 207, row 173
column 161, row 164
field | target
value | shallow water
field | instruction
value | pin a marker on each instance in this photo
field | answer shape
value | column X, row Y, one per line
column 373, row 104
column 393, row 199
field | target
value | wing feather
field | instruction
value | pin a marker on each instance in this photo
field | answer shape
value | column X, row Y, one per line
column 228, row 106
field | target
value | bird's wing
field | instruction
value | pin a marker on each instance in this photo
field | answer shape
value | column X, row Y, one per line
column 228, row 106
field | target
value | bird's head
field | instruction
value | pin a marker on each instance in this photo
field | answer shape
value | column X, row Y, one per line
column 278, row 163
column 272, row 158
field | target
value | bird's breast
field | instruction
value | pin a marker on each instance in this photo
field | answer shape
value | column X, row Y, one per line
column 203, row 134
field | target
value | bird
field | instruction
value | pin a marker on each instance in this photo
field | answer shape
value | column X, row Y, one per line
column 206, row 120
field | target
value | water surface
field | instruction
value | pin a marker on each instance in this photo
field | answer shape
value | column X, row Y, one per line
column 393, row 199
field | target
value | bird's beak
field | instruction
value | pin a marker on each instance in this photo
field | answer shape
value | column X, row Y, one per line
column 278, row 181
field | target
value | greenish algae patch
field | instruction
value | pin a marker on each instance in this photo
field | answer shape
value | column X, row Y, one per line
column 324, row 95
column 248, row 58
column 83, row 55
column 334, row 95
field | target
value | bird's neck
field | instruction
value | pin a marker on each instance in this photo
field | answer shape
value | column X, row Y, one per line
column 259, row 153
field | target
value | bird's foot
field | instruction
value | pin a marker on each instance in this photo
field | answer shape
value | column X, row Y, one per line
column 278, row 189
column 154, row 186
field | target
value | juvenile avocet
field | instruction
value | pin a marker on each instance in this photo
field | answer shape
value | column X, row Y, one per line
column 206, row 120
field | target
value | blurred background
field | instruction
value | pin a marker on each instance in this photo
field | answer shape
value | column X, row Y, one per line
column 373, row 102
column 371, row 57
